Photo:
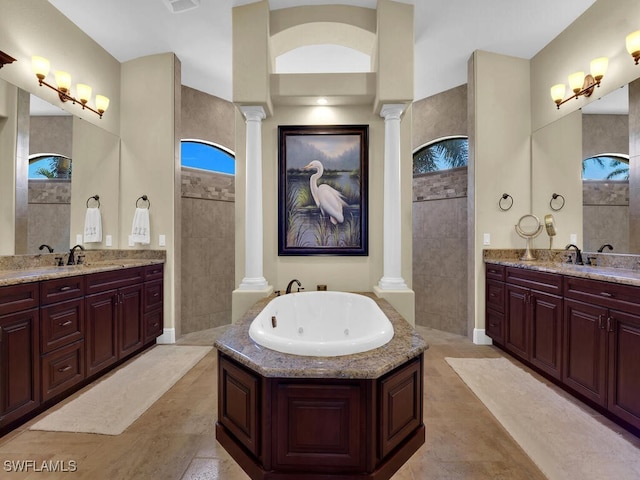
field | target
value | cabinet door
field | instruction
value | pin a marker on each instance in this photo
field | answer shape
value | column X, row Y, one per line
column 546, row 332
column 101, row 334
column 584, row 368
column 624, row 366
column 516, row 322
column 130, row 322
column 19, row 365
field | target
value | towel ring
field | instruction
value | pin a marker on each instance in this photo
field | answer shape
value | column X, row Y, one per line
column 144, row 198
column 505, row 196
column 554, row 197
column 96, row 198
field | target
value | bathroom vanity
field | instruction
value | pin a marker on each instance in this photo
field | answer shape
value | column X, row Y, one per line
column 578, row 325
column 299, row 417
column 63, row 327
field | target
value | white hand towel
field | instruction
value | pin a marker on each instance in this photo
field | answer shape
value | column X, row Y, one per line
column 140, row 232
column 92, row 226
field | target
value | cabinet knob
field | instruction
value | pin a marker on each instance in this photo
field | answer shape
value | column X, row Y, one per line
column 65, row 324
column 65, row 288
column 66, row 368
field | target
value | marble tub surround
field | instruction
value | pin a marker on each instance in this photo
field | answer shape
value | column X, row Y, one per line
column 608, row 267
column 16, row 269
column 405, row 344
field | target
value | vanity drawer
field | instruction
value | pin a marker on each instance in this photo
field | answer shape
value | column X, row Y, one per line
column 154, row 272
column 495, row 272
column 606, row 294
column 61, row 324
column 100, row 282
column 15, row 298
column 495, row 295
column 541, row 281
column 152, row 295
column 62, row 369
column 60, row 289
column 153, row 325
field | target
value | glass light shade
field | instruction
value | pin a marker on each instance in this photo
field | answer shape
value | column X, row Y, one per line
column 557, row 92
column 102, row 103
column 576, row 80
column 83, row 92
column 633, row 42
column 599, row 67
column 63, row 80
column 40, row 66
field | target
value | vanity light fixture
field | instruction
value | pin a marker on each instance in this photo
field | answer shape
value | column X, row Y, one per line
column 41, row 67
column 5, row 59
column 322, row 101
column 633, row 45
column 581, row 84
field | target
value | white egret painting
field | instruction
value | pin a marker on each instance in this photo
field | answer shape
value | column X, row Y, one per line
column 322, row 190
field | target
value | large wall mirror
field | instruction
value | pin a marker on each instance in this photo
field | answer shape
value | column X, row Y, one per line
column 596, row 209
column 70, row 160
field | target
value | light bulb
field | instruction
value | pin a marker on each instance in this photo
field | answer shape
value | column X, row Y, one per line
column 63, row 79
column 557, row 92
column 83, row 92
column 576, row 80
column 102, row 103
column 599, row 68
column 40, row 66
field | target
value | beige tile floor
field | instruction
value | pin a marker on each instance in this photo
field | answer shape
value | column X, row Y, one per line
column 175, row 438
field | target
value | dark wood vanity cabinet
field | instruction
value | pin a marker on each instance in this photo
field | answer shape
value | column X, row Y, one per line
column 19, row 362
column 62, row 329
column 495, row 291
column 602, row 345
column 533, row 318
column 114, row 316
column 583, row 333
column 58, row 334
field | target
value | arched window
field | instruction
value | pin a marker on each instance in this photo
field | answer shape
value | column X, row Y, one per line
column 608, row 166
column 442, row 154
column 207, row 156
column 49, row 165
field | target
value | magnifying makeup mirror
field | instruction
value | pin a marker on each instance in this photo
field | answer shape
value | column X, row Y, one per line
column 528, row 227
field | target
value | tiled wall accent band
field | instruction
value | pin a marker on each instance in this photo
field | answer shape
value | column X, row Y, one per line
column 208, row 185
column 50, row 191
column 438, row 185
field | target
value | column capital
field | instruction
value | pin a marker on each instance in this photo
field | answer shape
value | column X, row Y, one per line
column 392, row 111
column 255, row 113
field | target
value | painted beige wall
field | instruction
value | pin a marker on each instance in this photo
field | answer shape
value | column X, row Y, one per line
column 600, row 31
column 499, row 162
column 36, row 27
column 150, row 162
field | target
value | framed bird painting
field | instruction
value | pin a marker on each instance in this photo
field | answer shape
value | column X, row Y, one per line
column 322, row 190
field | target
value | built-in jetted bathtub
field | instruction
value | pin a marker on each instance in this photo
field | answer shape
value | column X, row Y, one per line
column 321, row 324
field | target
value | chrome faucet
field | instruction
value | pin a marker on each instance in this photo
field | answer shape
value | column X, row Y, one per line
column 291, row 283
column 43, row 246
column 578, row 253
column 72, row 259
column 606, row 245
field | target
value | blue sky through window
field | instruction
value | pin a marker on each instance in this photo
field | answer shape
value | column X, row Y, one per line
column 207, row 157
column 605, row 167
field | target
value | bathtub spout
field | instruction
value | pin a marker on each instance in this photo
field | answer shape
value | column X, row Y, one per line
column 291, row 283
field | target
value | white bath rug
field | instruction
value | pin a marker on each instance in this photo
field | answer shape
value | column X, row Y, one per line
column 115, row 402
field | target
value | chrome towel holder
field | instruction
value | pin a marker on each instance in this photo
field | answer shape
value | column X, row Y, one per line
column 94, row 197
column 144, row 198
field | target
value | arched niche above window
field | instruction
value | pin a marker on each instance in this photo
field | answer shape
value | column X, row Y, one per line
column 323, row 59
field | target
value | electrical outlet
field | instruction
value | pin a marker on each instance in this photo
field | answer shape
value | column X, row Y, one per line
column 162, row 240
column 131, row 244
column 108, row 241
column 486, row 239
column 573, row 238
column 79, row 239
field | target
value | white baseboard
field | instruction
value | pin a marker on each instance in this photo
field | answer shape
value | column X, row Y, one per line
column 480, row 338
column 168, row 336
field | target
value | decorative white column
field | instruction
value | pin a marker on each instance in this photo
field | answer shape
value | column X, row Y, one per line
column 392, row 233
column 253, row 278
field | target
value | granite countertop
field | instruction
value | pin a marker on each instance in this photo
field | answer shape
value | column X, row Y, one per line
column 405, row 345
column 625, row 276
column 16, row 270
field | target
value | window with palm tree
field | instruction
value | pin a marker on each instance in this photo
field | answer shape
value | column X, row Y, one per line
column 49, row 166
column 441, row 154
column 610, row 166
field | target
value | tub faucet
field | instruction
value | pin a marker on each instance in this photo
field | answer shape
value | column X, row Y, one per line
column 43, row 246
column 72, row 259
column 606, row 245
column 291, row 283
column 578, row 253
